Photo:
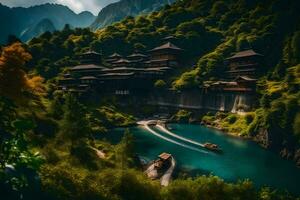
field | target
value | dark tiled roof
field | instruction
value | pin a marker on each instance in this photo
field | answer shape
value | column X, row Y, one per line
column 115, row 55
column 245, row 78
column 232, row 83
column 88, row 78
column 118, row 69
column 169, row 37
column 91, row 52
column 246, row 53
column 157, row 68
column 168, row 45
column 159, row 60
column 88, row 67
column 140, row 55
column 121, row 61
column 241, row 70
column 117, row 74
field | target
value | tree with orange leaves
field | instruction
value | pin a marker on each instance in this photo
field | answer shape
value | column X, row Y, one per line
column 14, row 82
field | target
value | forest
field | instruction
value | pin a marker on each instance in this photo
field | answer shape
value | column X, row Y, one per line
column 48, row 139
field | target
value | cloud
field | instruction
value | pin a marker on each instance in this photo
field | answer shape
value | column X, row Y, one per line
column 77, row 6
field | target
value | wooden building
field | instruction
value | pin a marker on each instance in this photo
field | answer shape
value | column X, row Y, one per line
column 121, row 63
column 122, row 76
column 242, row 73
column 137, row 59
column 166, row 55
column 244, row 63
column 83, row 76
column 90, row 57
column 113, row 58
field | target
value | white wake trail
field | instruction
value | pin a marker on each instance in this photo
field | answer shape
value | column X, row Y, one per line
column 170, row 140
column 178, row 137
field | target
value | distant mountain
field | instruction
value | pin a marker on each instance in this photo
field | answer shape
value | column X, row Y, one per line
column 119, row 10
column 36, row 30
column 18, row 20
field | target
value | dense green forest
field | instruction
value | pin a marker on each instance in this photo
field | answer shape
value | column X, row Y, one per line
column 219, row 29
column 48, row 146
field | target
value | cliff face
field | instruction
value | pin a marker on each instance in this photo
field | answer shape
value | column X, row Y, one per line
column 117, row 11
column 201, row 100
column 36, row 30
column 278, row 142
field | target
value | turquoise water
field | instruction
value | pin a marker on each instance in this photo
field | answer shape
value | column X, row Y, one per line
column 241, row 159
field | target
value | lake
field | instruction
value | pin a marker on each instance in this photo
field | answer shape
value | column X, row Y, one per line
column 241, row 159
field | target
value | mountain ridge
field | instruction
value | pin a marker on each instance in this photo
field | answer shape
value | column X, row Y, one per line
column 119, row 10
column 22, row 18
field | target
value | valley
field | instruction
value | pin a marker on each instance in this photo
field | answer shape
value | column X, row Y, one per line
column 153, row 100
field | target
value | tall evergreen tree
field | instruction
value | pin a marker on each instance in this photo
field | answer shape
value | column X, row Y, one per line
column 74, row 124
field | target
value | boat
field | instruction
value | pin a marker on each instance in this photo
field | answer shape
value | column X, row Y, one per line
column 157, row 168
column 212, row 147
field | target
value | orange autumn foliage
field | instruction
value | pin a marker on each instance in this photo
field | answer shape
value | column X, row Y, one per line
column 14, row 82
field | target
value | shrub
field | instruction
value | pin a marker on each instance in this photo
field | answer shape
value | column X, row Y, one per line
column 249, row 118
column 231, row 118
column 182, row 116
column 160, row 84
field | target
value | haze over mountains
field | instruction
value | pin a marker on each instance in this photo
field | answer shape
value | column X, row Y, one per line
column 26, row 23
column 119, row 10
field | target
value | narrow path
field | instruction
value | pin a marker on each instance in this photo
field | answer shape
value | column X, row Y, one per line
column 166, row 178
column 177, row 136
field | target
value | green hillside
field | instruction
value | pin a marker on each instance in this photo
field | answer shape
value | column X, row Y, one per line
column 68, row 166
column 208, row 32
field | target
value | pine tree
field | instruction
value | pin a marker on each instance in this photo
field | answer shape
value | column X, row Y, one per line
column 74, row 123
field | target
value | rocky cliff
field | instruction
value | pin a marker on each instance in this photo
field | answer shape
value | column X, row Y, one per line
column 202, row 100
column 119, row 10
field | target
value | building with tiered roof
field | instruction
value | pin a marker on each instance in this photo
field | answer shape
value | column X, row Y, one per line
column 244, row 63
column 121, row 75
column 165, row 56
column 241, row 74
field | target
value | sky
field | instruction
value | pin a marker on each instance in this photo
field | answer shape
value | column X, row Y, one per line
column 77, row 6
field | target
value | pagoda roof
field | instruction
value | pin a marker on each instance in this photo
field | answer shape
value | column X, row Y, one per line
column 88, row 67
column 169, row 37
column 157, row 68
column 137, row 55
column 159, row 60
column 169, row 46
column 88, row 78
column 232, row 83
column 90, row 52
column 117, row 74
column 241, row 70
column 244, row 78
column 115, row 55
column 122, row 60
column 245, row 53
column 117, row 68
